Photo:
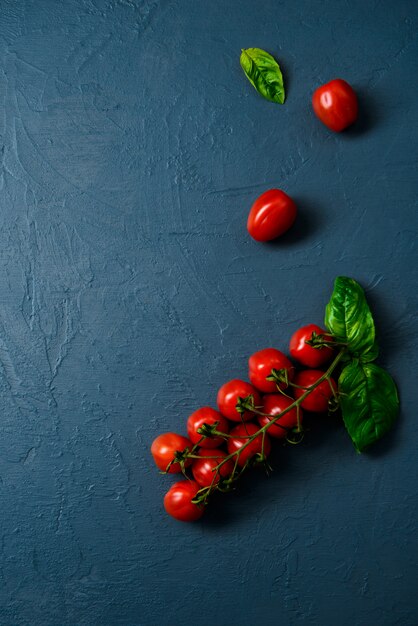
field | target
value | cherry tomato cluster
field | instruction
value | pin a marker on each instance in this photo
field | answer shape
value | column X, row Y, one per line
column 221, row 444
column 274, row 212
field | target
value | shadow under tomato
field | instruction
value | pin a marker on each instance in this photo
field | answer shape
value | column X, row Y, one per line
column 321, row 432
column 308, row 222
column 224, row 509
column 368, row 114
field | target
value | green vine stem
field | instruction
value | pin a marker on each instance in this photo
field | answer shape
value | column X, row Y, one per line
column 275, row 418
column 203, row 494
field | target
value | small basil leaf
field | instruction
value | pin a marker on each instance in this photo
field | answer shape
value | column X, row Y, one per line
column 349, row 320
column 264, row 73
column 369, row 402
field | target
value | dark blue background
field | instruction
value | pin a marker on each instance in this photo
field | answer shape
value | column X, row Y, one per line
column 133, row 147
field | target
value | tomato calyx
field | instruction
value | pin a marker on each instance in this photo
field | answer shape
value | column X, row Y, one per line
column 224, row 485
column 245, row 404
column 180, row 457
column 320, row 341
column 333, row 403
column 260, row 460
column 201, row 498
column 280, row 377
column 295, row 436
column 209, row 431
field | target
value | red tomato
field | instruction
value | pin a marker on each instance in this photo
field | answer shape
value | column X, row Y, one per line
column 164, row 447
column 240, row 435
column 206, row 415
column 260, row 365
column 228, row 396
column 203, row 468
column 178, row 501
column 335, row 104
column 306, row 354
column 273, row 404
column 317, row 401
column 271, row 215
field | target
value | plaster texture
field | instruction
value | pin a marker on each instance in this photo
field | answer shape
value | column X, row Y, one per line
column 132, row 149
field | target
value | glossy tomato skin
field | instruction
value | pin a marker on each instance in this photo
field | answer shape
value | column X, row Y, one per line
column 178, row 501
column 206, row 415
column 306, row 354
column 228, row 396
column 239, row 436
column 335, row 104
column 271, row 215
column 164, row 447
column 203, row 468
column 317, row 401
column 273, row 404
column 260, row 365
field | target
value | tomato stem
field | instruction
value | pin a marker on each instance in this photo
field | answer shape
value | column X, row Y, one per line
column 248, row 403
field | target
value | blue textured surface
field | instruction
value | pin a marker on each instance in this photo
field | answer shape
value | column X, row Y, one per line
column 133, row 147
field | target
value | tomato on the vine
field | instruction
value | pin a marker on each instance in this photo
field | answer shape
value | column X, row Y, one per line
column 178, row 501
column 335, row 104
column 271, row 215
column 276, row 403
column 165, row 446
column 306, row 354
column 240, row 435
column 206, row 415
column 228, row 396
column 318, row 399
column 260, row 365
column 203, row 469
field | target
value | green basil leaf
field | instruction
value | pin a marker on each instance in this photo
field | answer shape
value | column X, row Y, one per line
column 264, row 73
column 369, row 402
column 349, row 320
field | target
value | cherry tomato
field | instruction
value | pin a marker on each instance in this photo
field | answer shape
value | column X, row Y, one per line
column 335, row 104
column 306, row 354
column 203, row 468
column 206, row 415
column 260, row 365
column 240, row 435
column 164, row 447
column 228, row 396
column 178, row 501
column 271, row 215
column 318, row 399
column 273, row 404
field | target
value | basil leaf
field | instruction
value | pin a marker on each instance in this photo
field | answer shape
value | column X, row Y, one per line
column 264, row 73
column 369, row 402
column 349, row 320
